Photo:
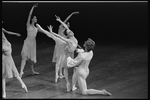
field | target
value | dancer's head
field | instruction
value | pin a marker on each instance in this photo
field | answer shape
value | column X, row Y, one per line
column 69, row 33
column 89, row 44
column 68, row 24
column 34, row 19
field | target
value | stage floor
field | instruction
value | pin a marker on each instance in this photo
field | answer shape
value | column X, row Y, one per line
column 121, row 70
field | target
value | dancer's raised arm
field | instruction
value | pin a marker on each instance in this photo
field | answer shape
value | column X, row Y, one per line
column 70, row 16
column 64, row 39
column 8, row 32
column 58, row 19
column 61, row 29
column 30, row 13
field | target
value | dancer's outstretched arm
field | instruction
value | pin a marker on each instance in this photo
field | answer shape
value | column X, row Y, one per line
column 40, row 29
column 74, row 62
column 64, row 39
column 79, row 46
column 30, row 13
column 49, row 34
column 70, row 16
column 61, row 29
column 58, row 19
column 8, row 32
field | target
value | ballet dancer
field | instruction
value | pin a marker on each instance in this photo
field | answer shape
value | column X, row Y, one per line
column 70, row 48
column 82, row 71
column 71, row 44
column 9, row 69
column 29, row 47
column 58, row 50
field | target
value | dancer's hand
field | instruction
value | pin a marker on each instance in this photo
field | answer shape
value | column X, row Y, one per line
column 50, row 28
column 18, row 34
column 57, row 18
column 68, row 24
column 35, row 5
column 76, row 12
column 80, row 50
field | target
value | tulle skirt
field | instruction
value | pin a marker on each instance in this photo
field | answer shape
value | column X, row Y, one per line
column 29, row 50
column 9, row 68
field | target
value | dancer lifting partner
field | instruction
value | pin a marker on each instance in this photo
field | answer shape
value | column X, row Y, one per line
column 82, row 71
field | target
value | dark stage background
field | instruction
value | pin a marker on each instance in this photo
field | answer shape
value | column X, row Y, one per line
column 105, row 23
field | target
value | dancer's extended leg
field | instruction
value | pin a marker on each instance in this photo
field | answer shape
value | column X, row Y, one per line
column 4, row 87
column 23, row 62
column 66, row 77
column 60, row 72
column 22, row 83
column 74, row 80
column 56, row 72
column 32, row 68
column 85, row 91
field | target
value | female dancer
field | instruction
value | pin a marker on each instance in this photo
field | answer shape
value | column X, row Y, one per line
column 57, row 55
column 9, row 68
column 82, row 71
column 29, row 47
column 71, row 44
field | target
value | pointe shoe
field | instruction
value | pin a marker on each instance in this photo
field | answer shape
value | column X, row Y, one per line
column 61, row 76
column 24, row 86
column 4, row 95
column 21, row 73
column 35, row 73
column 68, row 87
column 56, row 79
column 106, row 93
column 74, row 88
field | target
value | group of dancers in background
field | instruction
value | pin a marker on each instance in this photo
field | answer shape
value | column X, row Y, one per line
column 65, row 46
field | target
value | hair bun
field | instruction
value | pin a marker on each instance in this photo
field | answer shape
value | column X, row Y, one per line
column 90, row 41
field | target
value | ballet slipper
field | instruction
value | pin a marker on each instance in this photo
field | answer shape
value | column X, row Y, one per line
column 106, row 93
column 56, row 79
column 4, row 95
column 74, row 88
column 21, row 73
column 61, row 76
column 24, row 87
column 35, row 73
column 68, row 87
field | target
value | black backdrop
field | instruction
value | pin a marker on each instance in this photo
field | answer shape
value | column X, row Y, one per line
column 103, row 22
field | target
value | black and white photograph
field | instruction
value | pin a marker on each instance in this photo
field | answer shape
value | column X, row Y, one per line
column 75, row 49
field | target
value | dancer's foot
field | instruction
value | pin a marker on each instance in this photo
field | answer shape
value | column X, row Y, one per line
column 56, row 79
column 68, row 87
column 106, row 93
column 74, row 88
column 24, row 86
column 21, row 73
column 35, row 73
column 61, row 76
column 4, row 95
